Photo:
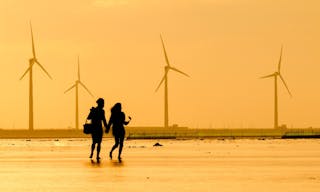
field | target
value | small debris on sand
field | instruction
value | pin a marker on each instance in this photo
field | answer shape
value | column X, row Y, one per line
column 157, row 145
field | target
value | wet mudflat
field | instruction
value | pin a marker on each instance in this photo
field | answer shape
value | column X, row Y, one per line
column 178, row 165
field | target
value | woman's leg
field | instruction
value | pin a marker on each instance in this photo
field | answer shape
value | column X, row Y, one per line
column 98, row 141
column 92, row 145
column 116, row 143
column 98, row 150
column 92, row 149
column 121, row 139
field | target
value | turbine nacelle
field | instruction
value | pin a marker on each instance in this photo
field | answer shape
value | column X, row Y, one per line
column 77, row 82
column 32, row 60
column 168, row 67
column 278, row 74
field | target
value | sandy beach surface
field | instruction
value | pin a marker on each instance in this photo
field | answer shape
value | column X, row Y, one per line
column 179, row 165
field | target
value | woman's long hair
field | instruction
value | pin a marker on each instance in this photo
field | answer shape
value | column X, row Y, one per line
column 116, row 108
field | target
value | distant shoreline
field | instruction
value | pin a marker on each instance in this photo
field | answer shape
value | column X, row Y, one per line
column 170, row 133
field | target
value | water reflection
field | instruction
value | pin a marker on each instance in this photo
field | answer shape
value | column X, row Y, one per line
column 184, row 165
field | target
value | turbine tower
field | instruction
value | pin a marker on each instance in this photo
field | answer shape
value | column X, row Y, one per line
column 76, row 85
column 167, row 68
column 32, row 61
column 275, row 75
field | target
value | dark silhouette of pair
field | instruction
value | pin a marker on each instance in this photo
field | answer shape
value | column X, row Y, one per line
column 117, row 121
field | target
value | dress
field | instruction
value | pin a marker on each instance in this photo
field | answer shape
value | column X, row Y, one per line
column 118, row 120
column 97, row 115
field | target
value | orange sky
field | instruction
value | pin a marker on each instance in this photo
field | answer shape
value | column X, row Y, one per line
column 223, row 45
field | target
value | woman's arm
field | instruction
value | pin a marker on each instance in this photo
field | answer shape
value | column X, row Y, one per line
column 105, row 122
column 127, row 122
column 91, row 114
column 109, row 124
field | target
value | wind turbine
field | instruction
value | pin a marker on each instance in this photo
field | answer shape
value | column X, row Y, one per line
column 167, row 68
column 32, row 61
column 76, row 85
column 277, row 74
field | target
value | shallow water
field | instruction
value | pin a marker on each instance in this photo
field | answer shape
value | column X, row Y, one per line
column 179, row 165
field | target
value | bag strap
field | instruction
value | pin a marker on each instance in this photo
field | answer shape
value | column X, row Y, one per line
column 90, row 114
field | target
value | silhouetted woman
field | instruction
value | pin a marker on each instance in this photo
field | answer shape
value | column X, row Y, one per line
column 117, row 120
column 97, row 117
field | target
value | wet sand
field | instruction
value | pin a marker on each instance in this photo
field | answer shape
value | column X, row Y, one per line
column 179, row 165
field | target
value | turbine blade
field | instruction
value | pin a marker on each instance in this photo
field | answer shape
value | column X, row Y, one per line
column 33, row 49
column 177, row 70
column 78, row 68
column 70, row 88
column 25, row 73
column 162, row 80
column 165, row 53
column 279, row 64
column 267, row 76
column 86, row 88
column 285, row 84
column 43, row 69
